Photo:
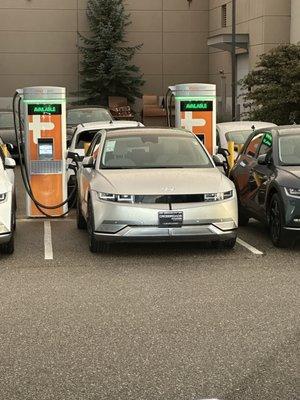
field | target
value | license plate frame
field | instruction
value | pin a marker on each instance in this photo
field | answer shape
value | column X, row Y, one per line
column 170, row 218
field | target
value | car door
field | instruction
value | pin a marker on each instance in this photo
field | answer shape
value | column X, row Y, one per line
column 86, row 174
column 261, row 175
column 242, row 170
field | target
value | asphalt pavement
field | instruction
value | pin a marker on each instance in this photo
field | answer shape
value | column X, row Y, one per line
column 146, row 322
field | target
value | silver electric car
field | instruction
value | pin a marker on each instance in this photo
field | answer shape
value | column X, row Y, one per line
column 154, row 184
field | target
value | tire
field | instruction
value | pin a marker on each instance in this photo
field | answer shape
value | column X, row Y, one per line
column 81, row 222
column 229, row 244
column 9, row 247
column 95, row 245
column 276, row 223
column 243, row 216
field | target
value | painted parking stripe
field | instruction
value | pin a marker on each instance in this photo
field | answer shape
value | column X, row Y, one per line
column 249, row 247
column 48, row 241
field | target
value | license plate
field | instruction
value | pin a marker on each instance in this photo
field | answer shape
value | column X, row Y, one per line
column 170, row 218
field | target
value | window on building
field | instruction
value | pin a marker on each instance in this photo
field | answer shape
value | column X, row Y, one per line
column 224, row 15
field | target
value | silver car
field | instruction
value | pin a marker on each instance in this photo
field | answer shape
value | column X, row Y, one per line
column 154, row 185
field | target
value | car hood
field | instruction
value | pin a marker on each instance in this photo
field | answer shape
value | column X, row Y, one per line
column 161, row 181
column 8, row 135
column 291, row 170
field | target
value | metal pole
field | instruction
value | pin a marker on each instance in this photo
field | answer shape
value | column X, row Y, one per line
column 233, row 61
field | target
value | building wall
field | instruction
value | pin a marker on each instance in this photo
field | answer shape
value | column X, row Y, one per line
column 266, row 21
column 38, row 42
column 38, row 39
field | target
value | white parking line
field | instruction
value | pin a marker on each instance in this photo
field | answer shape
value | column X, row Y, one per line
column 249, row 247
column 48, row 241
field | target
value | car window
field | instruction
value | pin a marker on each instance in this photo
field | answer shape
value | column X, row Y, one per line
column 289, row 149
column 6, row 120
column 254, row 145
column 266, row 144
column 85, row 115
column 154, row 151
column 84, row 139
column 218, row 140
column 94, row 143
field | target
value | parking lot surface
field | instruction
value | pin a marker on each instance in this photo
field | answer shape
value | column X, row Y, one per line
column 146, row 322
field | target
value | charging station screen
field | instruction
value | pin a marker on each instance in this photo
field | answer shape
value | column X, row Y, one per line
column 44, row 109
column 196, row 105
column 45, row 149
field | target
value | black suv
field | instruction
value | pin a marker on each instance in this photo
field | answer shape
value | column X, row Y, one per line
column 267, row 179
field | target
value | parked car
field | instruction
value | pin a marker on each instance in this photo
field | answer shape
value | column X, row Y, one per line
column 7, row 130
column 267, row 179
column 154, row 185
column 238, row 132
column 82, row 138
column 7, row 204
column 84, row 114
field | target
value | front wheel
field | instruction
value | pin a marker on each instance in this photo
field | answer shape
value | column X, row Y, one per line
column 276, row 223
column 95, row 245
column 229, row 244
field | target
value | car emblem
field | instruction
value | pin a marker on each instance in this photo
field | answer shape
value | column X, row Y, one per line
column 168, row 189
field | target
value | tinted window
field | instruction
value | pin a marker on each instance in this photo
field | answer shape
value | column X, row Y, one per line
column 6, row 120
column 84, row 138
column 289, row 149
column 267, row 144
column 253, row 145
column 154, row 151
column 85, row 115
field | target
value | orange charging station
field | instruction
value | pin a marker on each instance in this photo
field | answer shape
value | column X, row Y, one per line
column 44, row 111
column 195, row 110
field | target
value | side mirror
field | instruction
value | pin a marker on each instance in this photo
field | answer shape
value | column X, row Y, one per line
column 218, row 161
column 9, row 163
column 73, row 156
column 10, row 147
column 88, row 162
column 264, row 159
column 224, row 152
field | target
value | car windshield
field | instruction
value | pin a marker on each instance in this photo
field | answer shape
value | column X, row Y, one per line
column 153, row 150
column 6, row 120
column 85, row 115
column 238, row 137
column 289, row 149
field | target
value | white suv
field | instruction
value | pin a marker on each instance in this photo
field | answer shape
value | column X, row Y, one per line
column 7, row 204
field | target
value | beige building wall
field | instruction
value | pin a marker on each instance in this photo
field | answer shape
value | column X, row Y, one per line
column 266, row 21
column 38, row 42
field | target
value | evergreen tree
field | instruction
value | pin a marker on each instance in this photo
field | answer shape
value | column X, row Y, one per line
column 273, row 89
column 107, row 68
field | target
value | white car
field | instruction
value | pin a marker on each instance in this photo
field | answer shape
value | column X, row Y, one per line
column 83, row 136
column 238, row 132
column 7, row 204
column 155, row 185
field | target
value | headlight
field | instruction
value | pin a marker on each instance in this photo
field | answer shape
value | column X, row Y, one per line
column 121, row 198
column 2, row 197
column 292, row 192
column 218, row 196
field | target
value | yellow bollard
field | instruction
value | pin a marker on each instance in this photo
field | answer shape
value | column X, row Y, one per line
column 231, row 156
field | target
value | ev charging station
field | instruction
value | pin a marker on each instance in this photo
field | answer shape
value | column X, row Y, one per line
column 195, row 110
column 43, row 142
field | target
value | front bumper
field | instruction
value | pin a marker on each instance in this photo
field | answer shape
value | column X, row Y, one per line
column 139, row 222
column 197, row 233
column 5, row 237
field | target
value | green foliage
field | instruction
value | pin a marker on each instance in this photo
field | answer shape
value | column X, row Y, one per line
column 106, row 66
column 273, row 89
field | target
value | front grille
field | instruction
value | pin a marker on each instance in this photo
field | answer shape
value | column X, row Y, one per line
column 170, row 199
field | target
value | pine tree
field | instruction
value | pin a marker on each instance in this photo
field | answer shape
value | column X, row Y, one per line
column 273, row 88
column 107, row 68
